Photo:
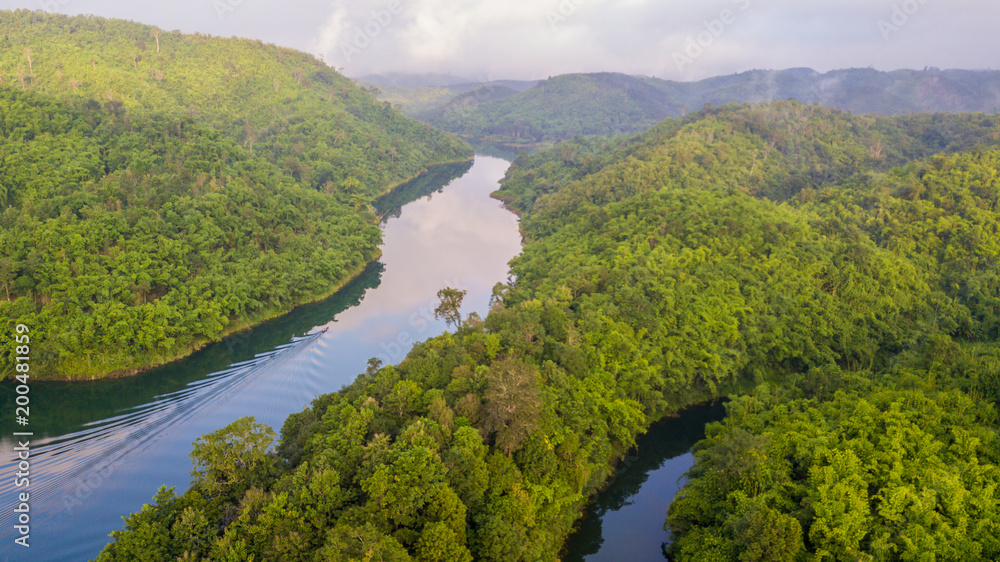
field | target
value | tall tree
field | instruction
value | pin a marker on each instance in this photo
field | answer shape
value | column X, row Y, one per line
column 156, row 32
column 230, row 460
column 7, row 274
column 512, row 402
column 449, row 308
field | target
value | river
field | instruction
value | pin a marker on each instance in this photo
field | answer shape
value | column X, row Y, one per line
column 101, row 449
column 625, row 520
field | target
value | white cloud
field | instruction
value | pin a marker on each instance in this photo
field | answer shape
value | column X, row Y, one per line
column 331, row 32
column 521, row 39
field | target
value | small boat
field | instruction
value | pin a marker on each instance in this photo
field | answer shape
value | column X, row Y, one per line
column 325, row 328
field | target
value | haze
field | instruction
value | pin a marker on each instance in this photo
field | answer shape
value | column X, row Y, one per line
column 531, row 39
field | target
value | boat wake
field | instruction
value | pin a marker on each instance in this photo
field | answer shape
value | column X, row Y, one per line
column 66, row 470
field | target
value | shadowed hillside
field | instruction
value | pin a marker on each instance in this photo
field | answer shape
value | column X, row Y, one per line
column 606, row 104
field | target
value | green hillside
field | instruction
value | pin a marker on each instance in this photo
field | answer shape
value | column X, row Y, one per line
column 159, row 190
column 284, row 105
column 880, row 464
column 659, row 271
column 411, row 101
column 558, row 108
column 565, row 106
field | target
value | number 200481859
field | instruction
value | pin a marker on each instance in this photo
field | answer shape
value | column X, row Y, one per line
column 22, row 368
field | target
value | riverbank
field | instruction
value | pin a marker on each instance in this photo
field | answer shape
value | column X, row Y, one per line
column 624, row 521
column 422, row 172
column 246, row 324
column 107, row 445
column 264, row 315
column 624, row 463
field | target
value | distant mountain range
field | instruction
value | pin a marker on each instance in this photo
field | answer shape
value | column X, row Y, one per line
column 424, row 96
column 435, row 80
column 610, row 103
column 404, row 80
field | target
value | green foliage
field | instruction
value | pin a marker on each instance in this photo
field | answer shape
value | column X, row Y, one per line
column 449, row 307
column 148, row 536
column 557, row 108
column 882, row 474
column 283, row 105
column 942, row 215
column 661, row 271
column 565, row 106
column 511, row 403
column 411, row 101
column 152, row 203
column 140, row 242
column 229, row 461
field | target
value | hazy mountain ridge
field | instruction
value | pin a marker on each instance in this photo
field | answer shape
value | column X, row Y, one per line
column 609, row 103
column 406, row 80
column 437, row 94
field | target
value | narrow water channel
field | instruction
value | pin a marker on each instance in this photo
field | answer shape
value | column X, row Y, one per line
column 101, row 449
column 625, row 521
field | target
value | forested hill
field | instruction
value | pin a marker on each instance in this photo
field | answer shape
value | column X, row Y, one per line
column 606, row 103
column 707, row 257
column 785, row 148
column 446, row 94
column 159, row 190
column 282, row 104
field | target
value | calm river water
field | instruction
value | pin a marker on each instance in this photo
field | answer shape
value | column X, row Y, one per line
column 625, row 521
column 100, row 450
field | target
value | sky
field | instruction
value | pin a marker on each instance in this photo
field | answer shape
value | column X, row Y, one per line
column 534, row 39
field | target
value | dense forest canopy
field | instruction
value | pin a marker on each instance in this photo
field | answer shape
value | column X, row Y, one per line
column 608, row 103
column 871, row 473
column 803, row 255
column 159, row 190
column 283, row 105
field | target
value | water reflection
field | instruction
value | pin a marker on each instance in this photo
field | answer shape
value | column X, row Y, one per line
column 67, row 469
column 625, row 521
column 103, row 448
column 391, row 204
column 59, row 408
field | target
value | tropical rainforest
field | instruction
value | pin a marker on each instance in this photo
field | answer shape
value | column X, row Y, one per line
column 160, row 190
column 837, row 275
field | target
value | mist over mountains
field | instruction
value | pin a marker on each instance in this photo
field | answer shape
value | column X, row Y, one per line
column 611, row 103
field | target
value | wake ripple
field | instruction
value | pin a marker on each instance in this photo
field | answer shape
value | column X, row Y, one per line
column 63, row 466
